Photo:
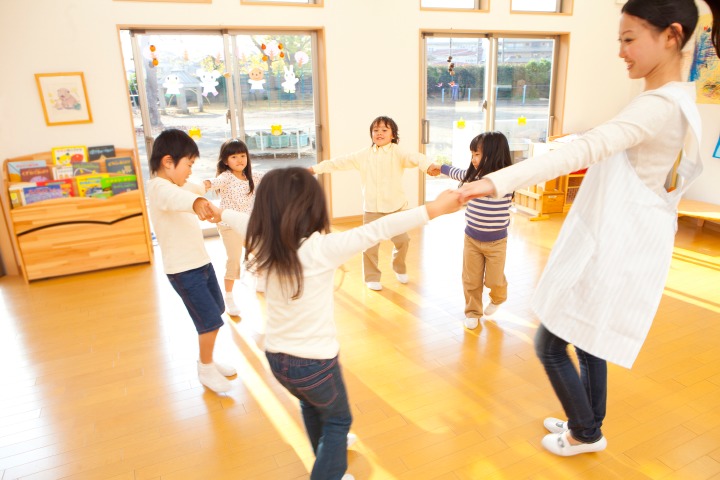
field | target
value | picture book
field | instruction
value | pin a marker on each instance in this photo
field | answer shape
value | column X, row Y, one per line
column 68, row 155
column 85, row 168
column 60, row 172
column 16, row 193
column 95, row 153
column 35, row 174
column 122, row 187
column 122, row 165
column 89, row 184
column 15, row 167
column 108, row 182
column 37, row 194
column 67, row 185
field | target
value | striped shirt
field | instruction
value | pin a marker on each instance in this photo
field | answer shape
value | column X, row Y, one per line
column 486, row 219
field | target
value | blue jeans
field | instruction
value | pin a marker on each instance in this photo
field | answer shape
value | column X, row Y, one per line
column 200, row 292
column 583, row 396
column 319, row 386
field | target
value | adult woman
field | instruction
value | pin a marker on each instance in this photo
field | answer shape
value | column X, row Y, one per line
column 605, row 277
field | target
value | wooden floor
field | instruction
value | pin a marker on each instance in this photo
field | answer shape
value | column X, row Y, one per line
column 98, row 377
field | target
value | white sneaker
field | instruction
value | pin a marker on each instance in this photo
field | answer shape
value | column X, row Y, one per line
column 471, row 323
column 374, row 286
column 230, row 306
column 559, row 444
column 224, row 369
column 347, row 476
column 555, row 425
column 402, row 277
column 212, row 379
column 351, row 439
column 490, row 309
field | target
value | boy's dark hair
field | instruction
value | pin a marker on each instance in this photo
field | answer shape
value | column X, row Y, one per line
column 289, row 207
column 495, row 155
column 175, row 143
column 234, row 147
column 388, row 122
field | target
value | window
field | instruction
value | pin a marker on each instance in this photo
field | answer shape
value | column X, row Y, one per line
column 282, row 2
column 455, row 4
column 541, row 6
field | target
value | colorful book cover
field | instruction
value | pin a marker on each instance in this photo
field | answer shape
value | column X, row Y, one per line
column 68, row 155
column 109, row 181
column 100, row 151
column 67, row 185
column 89, row 184
column 38, row 194
column 35, row 174
column 16, row 193
column 122, row 165
column 15, row 167
column 85, row 168
column 60, row 172
column 122, row 187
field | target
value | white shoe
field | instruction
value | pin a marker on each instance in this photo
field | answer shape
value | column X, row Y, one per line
column 402, row 277
column 555, row 425
column 490, row 309
column 351, row 439
column 212, row 379
column 347, row 476
column 374, row 286
column 224, row 369
column 471, row 323
column 230, row 306
column 559, row 444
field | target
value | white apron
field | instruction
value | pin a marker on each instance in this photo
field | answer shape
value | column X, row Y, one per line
column 606, row 273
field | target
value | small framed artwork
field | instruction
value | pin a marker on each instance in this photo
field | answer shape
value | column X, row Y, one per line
column 64, row 98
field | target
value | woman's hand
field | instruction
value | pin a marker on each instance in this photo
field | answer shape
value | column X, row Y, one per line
column 481, row 188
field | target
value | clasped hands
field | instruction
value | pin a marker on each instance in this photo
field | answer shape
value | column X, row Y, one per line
column 206, row 210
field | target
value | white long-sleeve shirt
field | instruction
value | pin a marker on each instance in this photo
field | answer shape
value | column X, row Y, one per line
column 651, row 129
column 381, row 171
column 306, row 327
column 176, row 225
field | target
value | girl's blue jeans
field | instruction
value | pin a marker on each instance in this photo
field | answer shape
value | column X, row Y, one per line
column 583, row 396
column 319, row 386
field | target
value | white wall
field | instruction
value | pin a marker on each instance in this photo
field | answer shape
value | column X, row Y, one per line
column 376, row 40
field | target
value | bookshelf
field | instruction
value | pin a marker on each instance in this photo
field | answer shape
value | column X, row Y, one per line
column 64, row 236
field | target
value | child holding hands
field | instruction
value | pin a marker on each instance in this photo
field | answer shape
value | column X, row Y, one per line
column 173, row 205
column 235, row 183
column 486, row 223
column 288, row 236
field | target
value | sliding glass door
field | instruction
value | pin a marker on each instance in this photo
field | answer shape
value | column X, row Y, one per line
column 258, row 87
column 484, row 83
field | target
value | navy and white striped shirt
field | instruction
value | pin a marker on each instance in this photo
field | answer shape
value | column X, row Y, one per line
column 486, row 219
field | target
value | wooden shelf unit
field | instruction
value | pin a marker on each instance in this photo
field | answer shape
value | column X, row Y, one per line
column 78, row 234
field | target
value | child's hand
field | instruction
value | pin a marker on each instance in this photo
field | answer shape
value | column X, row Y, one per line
column 434, row 170
column 217, row 214
column 204, row 209
column 207, row 184
column 481, row 188
column 311, row 170
column 448, row 201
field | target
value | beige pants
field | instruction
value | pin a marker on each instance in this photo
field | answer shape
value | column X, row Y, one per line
column 483, row 263
column 234, row 243
column 370, row 256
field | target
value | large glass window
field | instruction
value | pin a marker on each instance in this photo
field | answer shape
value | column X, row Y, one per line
column 484, row 83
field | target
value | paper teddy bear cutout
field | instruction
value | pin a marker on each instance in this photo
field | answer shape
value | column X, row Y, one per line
column 256, row 79
column 208, row 80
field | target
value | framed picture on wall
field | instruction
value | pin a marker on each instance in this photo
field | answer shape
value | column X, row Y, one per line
column 64, row 98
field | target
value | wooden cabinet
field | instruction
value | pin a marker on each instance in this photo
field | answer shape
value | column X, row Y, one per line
column 77, row 234
column 554, row 196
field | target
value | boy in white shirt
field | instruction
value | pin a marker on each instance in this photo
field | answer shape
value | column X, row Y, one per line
column 174, row 205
